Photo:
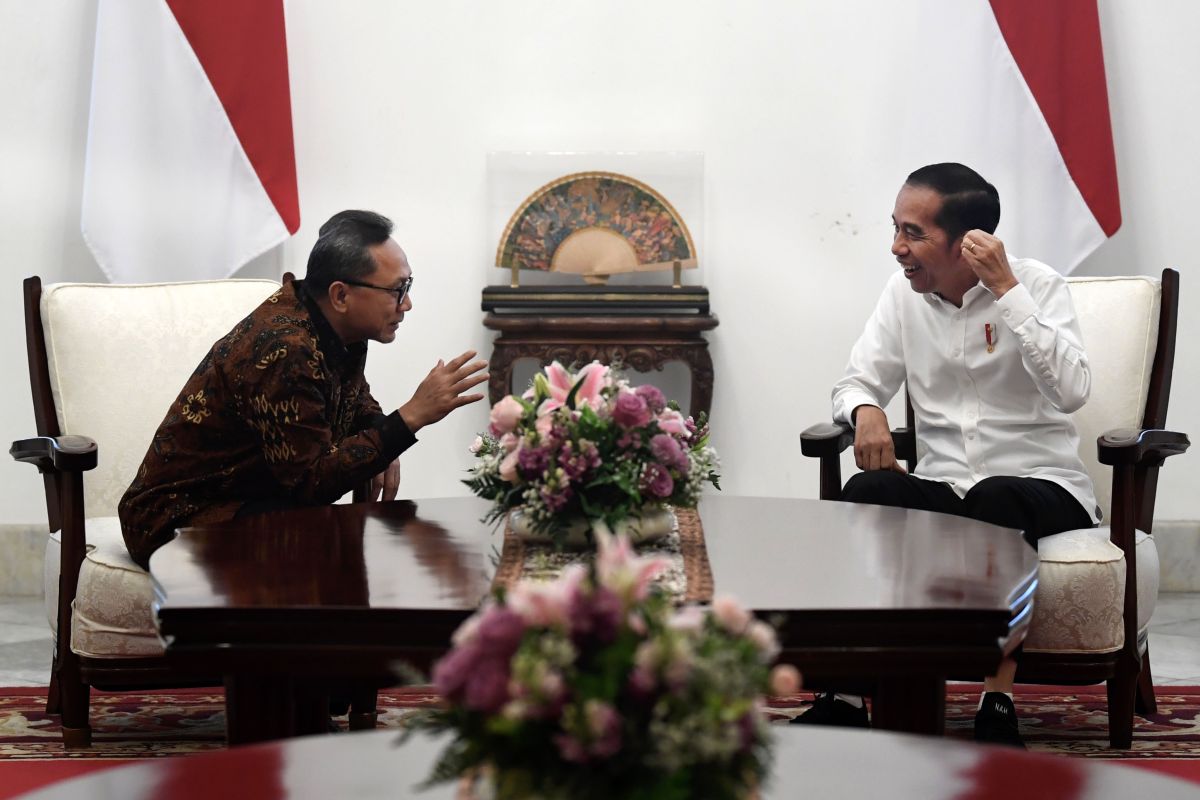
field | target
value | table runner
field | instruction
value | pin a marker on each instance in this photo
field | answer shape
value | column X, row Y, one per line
column 684, row 546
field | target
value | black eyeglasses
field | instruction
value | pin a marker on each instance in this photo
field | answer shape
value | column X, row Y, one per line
column 400, row 291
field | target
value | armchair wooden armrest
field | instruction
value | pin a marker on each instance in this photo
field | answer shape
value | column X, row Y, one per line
column 62, row 453
column 826, row 438
column 827, row 441
column 1136, row 446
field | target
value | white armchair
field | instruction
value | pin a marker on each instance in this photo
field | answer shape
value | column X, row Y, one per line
column 105, row 363
column 1097, row 587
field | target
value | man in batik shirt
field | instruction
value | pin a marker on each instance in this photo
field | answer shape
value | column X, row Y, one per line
column 278, row 414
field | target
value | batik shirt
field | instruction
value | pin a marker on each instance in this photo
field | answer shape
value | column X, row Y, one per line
column 278, row 409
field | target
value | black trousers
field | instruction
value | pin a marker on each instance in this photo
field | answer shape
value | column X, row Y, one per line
column 1039, row 508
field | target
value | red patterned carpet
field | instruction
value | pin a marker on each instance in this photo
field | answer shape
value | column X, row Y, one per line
column 1064, row 720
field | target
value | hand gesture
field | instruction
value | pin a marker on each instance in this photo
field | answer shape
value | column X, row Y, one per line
column 387, row 481
column 442, row 391
column 985, row 256
column 873, row 446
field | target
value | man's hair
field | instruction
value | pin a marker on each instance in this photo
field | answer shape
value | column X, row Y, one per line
column 342, row 251
column 968, row 201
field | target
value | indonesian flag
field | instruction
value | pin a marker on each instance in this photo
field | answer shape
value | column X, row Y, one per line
column 190, row 168
column 1016, row 90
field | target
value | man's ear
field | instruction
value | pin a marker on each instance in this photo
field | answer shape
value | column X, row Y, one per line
column 339, row 296
column 956, row 246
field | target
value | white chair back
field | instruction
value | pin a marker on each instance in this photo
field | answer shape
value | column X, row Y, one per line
column 1119, row 321
column 119, row 354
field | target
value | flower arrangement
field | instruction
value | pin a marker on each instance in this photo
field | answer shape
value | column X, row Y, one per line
column 594, row 686
column 589, row 445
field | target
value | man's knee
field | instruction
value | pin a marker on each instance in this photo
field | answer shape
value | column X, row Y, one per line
column 992, row 495
column 879, row 487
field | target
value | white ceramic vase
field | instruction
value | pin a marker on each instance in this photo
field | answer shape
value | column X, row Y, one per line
column 654, row 523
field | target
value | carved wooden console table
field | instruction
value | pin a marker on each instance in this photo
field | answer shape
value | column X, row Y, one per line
column 642, row 343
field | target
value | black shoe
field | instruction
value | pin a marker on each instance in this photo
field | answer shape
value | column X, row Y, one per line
column 996, row 721
column 828, row 710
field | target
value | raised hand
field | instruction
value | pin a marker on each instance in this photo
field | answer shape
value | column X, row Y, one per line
column 985, row 256
column 442, row 390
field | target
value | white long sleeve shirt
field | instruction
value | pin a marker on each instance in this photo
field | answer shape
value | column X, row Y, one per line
column 980, row 413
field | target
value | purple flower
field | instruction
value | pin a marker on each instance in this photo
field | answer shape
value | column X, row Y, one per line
column 747, row 726
column 487, row 686
column 556, row 498
column 604, row 724
column 631, row 411
column 629, row 440
column 657, row 480
column 577, row 460
column 532, row 461
column 451, row 671
column 597, row 615
column 669, row 452
column 500, row 632
column 570, row 748
column 653, row 396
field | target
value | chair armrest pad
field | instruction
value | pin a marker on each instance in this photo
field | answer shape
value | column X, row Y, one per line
column 61, row 453
column 1137, row 446
column 826, row 439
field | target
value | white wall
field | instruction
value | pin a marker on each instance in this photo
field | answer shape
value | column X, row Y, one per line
column 396, row 105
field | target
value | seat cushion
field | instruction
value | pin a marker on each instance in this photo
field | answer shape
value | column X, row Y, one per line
column 1078, row 607
column 111, row 615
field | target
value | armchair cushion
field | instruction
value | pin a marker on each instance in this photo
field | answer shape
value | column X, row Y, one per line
column 111, row 616
column 115, row 389
column 1081, row 592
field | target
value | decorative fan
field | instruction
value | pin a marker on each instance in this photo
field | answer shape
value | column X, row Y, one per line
column 596, row 224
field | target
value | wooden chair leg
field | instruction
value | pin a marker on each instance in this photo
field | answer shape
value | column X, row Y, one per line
column 364, row 709
column 1121, row 690
column 1144, row 702
column 53, row 693
column 75, row 699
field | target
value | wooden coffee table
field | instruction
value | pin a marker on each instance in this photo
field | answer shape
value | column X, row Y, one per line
column 808, row 763
column 880, row 599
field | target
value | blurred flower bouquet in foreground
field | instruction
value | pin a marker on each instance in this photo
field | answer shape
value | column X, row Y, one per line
column 589, row 446
column 592, row 686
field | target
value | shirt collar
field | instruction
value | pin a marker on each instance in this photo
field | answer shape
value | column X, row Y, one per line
column 337, row 355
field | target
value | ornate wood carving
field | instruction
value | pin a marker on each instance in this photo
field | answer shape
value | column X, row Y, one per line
column 644, row 344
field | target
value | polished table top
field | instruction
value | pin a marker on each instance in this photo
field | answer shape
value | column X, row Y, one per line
column 844, row 574
column 809, row 762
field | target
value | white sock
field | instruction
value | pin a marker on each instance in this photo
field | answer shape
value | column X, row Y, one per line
column 852, row 699
column 1008, row 694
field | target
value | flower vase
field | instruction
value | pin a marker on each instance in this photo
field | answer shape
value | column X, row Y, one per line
column 653, row 523
column 483, row 784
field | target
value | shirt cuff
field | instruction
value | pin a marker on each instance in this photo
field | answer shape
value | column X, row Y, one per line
column 396, row 436
column 850, row 401
column 1016, row 306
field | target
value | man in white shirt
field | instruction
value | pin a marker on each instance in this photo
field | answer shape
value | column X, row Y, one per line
column 990, row 351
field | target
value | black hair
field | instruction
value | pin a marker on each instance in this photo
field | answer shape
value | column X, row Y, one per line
column 343, row 249
column 968, row 201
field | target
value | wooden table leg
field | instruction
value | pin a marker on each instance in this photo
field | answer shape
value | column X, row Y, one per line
column 260, row 709
column 911, row 705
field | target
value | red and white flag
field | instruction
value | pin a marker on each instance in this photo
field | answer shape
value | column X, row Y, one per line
column 190, row 168
column 1016, row 89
